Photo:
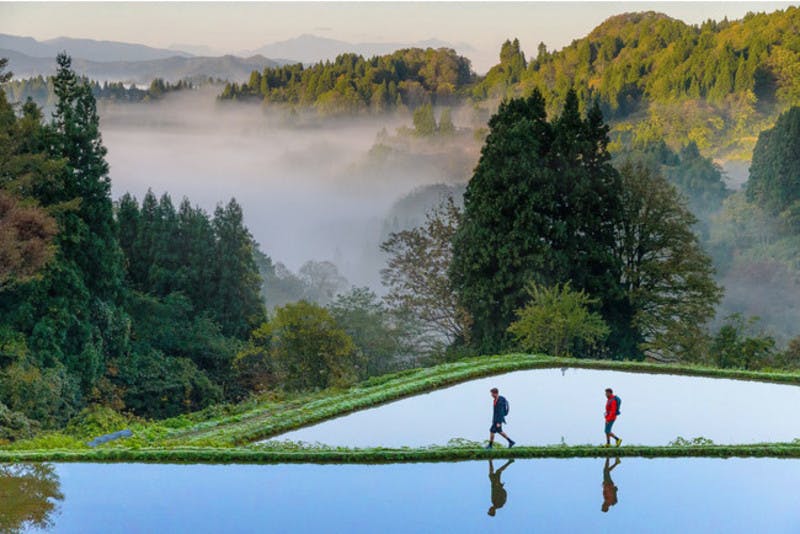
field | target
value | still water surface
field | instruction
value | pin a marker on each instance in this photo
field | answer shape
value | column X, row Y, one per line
column 550, row 406
column 577, row 495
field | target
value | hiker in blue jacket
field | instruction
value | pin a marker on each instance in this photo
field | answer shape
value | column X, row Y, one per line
column 498, row 418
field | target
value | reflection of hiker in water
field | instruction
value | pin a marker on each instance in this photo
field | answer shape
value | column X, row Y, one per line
column 609, row 489
column 499, row 493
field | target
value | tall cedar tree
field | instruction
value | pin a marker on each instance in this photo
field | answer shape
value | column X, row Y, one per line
column 78, row 140
column 238, row 304
column 542, row 206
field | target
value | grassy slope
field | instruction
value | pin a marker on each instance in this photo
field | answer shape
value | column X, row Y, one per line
column 223, row 438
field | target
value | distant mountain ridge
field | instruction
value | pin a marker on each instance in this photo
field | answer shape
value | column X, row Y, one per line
column 171, row 69
column 88, row 49
column 308, row 48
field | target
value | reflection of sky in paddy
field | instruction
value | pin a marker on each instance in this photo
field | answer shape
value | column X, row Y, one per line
column 664, row 495
column 551, row 405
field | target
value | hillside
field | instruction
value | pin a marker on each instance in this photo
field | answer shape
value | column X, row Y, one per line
column 717, row 84
column 657, row 78
column 352, row 83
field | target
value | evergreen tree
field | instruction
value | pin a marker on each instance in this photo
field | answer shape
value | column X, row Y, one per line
column 446, row 126
column 78, row 141
column 424, row 121
column 238, row 306
column 774, row 182
column 541, row 207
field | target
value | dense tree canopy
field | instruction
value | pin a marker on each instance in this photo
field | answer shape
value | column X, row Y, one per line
column 41, row 90
column 409, row 77
column 542, row 206
column 546, row 207
column 140, row 307
column 774, row 182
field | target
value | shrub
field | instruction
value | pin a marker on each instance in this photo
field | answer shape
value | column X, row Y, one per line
column 557, row 321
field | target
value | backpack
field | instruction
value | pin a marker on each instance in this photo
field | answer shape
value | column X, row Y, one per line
column 506, row 406
column 619, row 404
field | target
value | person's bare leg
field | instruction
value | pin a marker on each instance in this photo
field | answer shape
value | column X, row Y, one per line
column 510, row 441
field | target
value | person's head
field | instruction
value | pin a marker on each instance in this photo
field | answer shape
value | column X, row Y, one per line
column 609, row 393
column 492, row 511
column 495, row 392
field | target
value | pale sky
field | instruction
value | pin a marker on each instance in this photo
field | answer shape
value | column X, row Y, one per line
column 229, row 27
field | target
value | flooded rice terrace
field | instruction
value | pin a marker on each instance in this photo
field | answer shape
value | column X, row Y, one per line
column 553, row 406
column 577, row 495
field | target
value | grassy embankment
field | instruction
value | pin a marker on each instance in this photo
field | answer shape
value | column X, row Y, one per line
column 226, row 434
column 209, row 455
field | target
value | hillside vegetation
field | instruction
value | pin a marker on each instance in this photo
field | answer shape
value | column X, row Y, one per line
column 409, row 77
column 717, row 84
column 656, row 78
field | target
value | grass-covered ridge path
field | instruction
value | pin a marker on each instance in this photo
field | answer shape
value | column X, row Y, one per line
column 227, row 434
column 211, row 455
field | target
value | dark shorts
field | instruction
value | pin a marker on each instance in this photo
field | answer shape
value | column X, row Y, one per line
column 609, row 424
column 494, row 429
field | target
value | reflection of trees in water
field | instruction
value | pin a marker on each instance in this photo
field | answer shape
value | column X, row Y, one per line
column 28, row 496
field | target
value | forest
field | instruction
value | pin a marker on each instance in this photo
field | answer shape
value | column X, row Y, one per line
column 655, row 78
column 42, row 90
column 588, row 228
column 405, row 79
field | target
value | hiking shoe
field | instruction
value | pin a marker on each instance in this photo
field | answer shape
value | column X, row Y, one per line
column 511, row 443
column 488, row 447
column 619, row 442
column 607, row 445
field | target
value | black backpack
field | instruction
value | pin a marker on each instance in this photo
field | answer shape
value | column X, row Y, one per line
column 506, row 406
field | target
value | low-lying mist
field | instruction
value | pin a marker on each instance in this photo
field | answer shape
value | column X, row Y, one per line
column 310, row 188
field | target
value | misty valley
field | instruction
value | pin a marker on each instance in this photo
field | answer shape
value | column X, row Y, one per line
column 325, row 256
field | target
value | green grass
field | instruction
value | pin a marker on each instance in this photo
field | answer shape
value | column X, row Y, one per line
column 207, row 455
column 228, row 429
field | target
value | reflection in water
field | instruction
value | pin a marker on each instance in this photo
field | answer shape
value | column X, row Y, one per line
column 499, row 493
column 28, row 495
column 609, row 489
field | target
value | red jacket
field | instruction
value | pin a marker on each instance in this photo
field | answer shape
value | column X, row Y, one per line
column 611, row 409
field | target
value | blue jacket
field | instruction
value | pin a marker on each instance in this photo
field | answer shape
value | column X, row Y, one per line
column 499, row 415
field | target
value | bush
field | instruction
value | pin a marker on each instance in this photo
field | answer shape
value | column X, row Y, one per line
column 50, row 396
column 557, row 321
column 160, row 386
column 95, row 421
column 733, row 347
column 305, row 349
column 14, row 425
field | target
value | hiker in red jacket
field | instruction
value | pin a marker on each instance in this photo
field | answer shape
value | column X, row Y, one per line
column 612, row 409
